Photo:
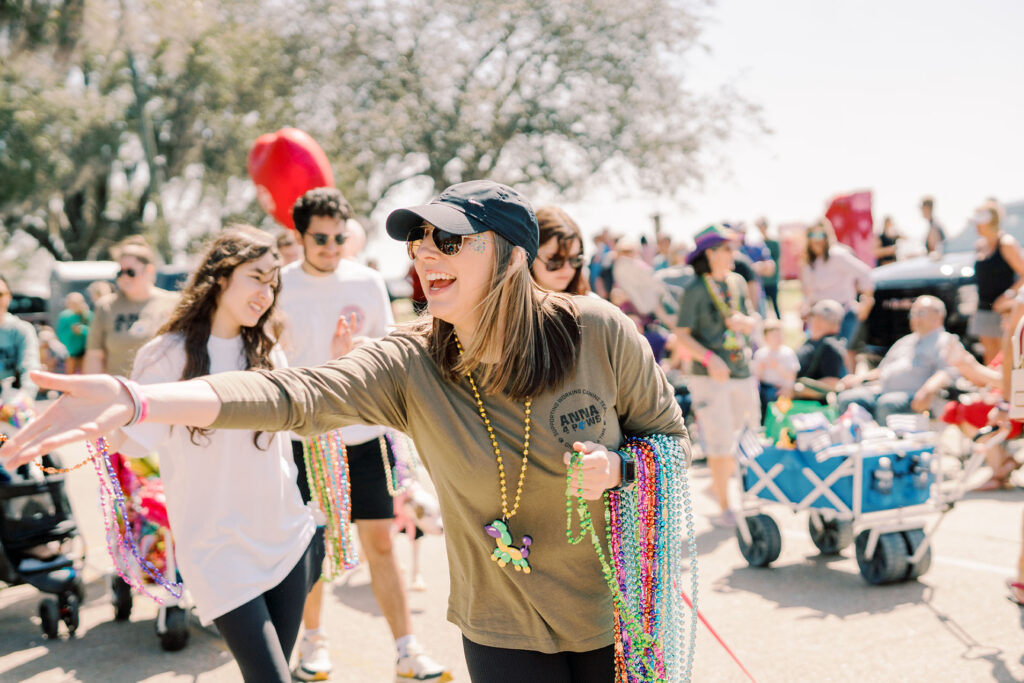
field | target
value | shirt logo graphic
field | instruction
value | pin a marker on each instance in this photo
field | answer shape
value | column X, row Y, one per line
column 578, row 415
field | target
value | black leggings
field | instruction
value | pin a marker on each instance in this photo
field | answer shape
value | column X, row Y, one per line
column 262, row 632
column 498, row 665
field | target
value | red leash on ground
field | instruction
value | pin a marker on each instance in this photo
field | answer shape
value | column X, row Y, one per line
column 717, row 637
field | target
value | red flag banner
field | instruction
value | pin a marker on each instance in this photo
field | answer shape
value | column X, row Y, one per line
column 850, row 216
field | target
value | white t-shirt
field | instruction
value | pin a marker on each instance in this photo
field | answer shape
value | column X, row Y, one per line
column 312, row 305
column 238, row 520
column 769, row 365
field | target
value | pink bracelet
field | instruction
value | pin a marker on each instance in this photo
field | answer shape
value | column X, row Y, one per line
column 707, row 357
column 140, row 406
column 144, row 407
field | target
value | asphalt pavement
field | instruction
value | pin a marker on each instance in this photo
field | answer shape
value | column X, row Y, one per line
column 806, row 618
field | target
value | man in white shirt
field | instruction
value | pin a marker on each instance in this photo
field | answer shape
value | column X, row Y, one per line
column 316, row 293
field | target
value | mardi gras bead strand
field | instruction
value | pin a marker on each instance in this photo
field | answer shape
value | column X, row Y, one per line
column 123, row 549
column 632, row 629
column 644, row 525
column 54, row 470
column 678, row 507
column 331, row 481
column 329, row 485
column 407, row 461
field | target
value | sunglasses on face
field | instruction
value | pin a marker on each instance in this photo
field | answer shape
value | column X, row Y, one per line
column 320, row 239
column 130, row 272
column 558, row 263
column 447, row 243
column 817, row 236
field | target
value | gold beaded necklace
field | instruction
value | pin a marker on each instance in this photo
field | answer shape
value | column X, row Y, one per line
column 505, row 553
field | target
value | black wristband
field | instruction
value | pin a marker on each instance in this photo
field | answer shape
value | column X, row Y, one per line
column 628, row 470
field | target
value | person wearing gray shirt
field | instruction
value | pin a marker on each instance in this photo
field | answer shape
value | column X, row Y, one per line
column 912, row 371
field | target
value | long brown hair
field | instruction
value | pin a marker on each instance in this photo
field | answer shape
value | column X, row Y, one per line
column 528, row 336
column 556, row 223
column 193, row 317
column 824, row 225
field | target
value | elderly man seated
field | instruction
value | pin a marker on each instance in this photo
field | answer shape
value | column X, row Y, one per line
column 913, row 371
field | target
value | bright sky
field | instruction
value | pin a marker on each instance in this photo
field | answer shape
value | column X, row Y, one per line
column 901, row 97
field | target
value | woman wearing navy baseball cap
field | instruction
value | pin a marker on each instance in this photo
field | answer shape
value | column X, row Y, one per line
column 497, row 385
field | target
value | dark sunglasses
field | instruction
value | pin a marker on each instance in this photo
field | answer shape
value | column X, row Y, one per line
column 558, row 263
column 448, row 243
column 130, row 272
column 320, row 239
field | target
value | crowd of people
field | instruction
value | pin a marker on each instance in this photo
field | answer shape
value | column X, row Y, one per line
column 509, row 302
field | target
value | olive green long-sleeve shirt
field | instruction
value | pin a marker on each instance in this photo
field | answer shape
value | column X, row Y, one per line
column 617, row 388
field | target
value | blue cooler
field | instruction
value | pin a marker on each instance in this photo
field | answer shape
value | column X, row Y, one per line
column 890, row 480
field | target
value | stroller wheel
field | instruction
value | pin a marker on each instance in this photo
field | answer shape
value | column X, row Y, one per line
column 765, row 541
column 914, row 538
column 175, row 632
column 121, row 597
column 69, row 611
column 49, row 615
column 829, row 535
column 888, row 564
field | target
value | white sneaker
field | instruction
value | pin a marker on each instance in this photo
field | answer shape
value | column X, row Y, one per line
column 314, row 659
column 417, row 666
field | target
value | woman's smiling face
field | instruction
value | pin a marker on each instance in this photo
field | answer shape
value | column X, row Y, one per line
column 455, row 284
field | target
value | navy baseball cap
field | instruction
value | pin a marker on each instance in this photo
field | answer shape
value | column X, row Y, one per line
column 472, row 207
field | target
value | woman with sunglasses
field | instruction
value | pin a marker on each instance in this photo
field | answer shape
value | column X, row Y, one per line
column 496, row 386
column 832, row 271
column 559, row 263
column 127, row 319
column 999, row 274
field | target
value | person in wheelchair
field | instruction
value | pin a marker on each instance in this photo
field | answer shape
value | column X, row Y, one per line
column 912, row 372
column 823, row 355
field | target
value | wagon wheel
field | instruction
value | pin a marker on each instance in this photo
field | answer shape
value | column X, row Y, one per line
column 765, row 541
column 888, row 564
column 121, row 598
column 914, row 538
column 49, row 615
column 830, row 536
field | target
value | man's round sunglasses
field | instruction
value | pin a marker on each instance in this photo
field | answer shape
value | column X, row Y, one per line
column 558, row 263
column 130, row 272
column 448, row 243
column 320, row 239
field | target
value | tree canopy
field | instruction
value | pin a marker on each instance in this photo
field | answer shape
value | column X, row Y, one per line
column 127, row 116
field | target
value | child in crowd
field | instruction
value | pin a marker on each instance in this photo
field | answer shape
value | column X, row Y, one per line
column 775, row 366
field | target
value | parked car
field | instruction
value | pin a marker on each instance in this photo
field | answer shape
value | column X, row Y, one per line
column 30, row 308
column 949, row 277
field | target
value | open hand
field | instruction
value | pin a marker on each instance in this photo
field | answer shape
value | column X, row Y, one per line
column 341, row 342
column 91, row 406
column 600, row 469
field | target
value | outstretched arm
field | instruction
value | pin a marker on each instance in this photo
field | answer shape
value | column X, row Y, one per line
column 96, row 405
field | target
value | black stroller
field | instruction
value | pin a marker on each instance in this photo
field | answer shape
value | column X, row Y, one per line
column 40, row 543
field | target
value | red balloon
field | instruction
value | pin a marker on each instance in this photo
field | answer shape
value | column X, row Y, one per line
column 284, row 166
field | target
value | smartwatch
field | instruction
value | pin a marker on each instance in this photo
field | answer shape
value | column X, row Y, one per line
column 628, row 471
